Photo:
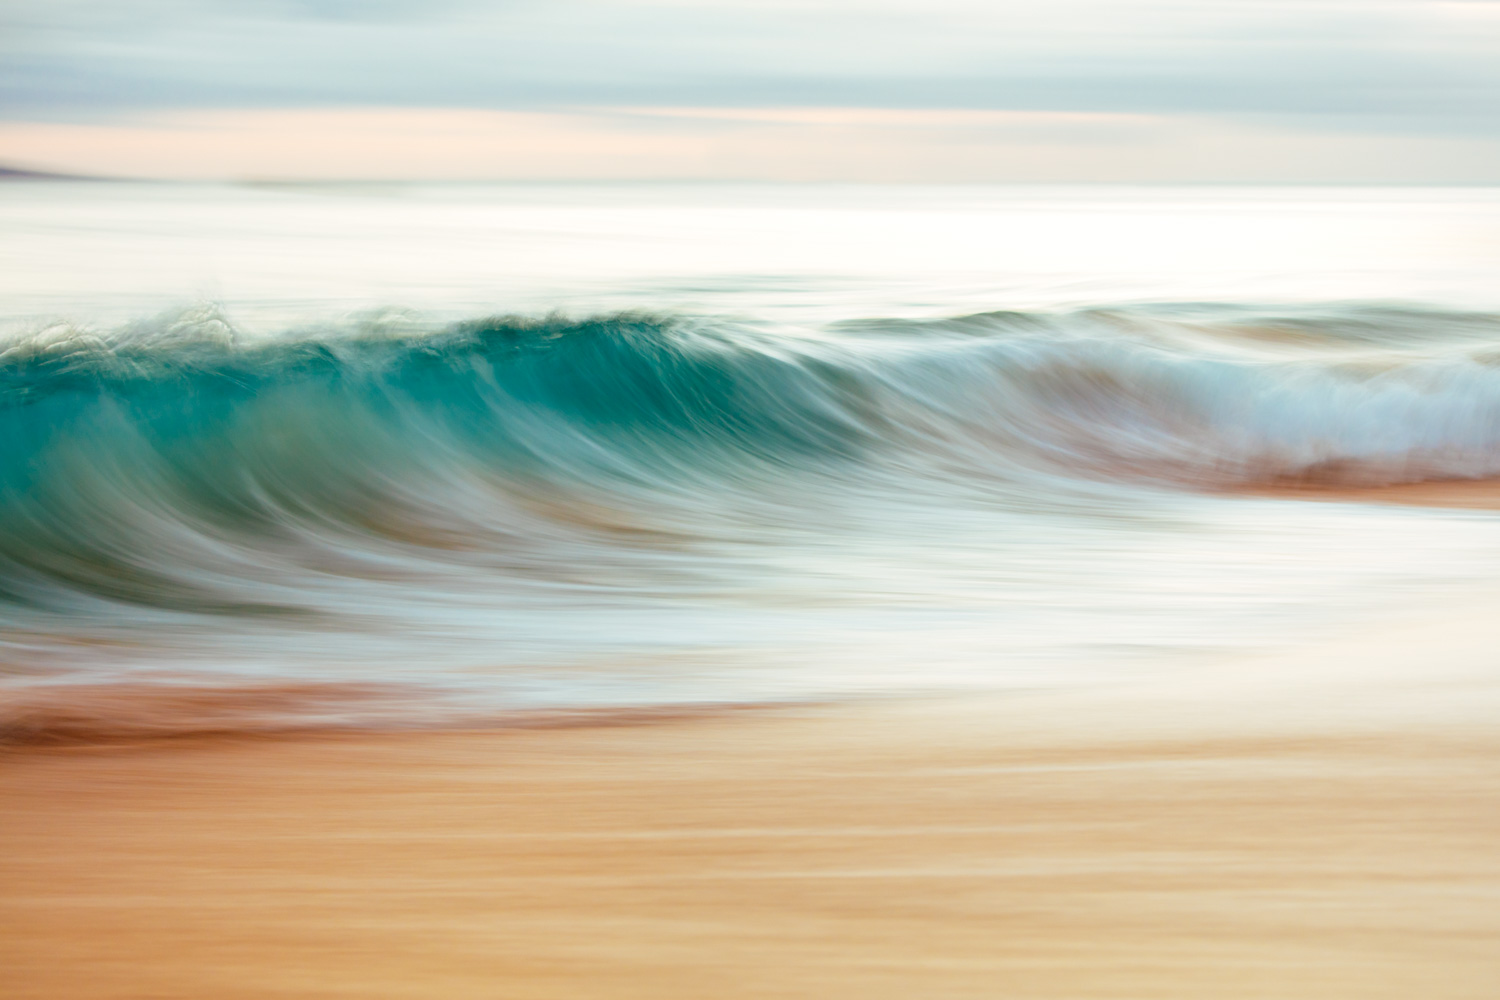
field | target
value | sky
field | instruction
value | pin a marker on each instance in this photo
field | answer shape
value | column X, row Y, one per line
column 1373, row 91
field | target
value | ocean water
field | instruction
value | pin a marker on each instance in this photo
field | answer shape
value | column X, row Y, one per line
column 515, row 447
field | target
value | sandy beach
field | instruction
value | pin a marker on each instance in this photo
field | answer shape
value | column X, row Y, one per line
column 1316, row 825
column 731, row 501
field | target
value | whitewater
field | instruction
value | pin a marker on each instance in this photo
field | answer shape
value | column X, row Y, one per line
column 502, row 448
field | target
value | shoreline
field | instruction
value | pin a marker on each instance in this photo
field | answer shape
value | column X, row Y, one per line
column 1294, row 826
column 917, row 850
column 1318, row 823
column 1458, row 494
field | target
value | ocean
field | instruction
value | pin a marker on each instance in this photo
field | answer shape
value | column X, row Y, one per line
column 490, row 449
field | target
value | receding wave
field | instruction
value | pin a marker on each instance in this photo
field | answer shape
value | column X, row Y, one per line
column 62, row 715
column 71, row 714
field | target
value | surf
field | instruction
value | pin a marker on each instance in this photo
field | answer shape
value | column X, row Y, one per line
column 516, row 496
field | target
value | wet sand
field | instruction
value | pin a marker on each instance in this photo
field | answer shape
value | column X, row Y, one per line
column 1473, row 494
column 1323, row 824
column 1264, row 834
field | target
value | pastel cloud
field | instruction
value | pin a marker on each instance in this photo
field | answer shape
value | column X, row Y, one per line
column 776, row 143
column 874, row 89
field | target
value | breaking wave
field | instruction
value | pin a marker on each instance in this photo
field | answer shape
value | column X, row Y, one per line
column 648, row 483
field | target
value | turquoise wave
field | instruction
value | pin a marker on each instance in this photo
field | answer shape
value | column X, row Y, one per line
column 171, row 463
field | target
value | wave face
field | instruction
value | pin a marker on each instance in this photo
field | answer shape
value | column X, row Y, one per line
column 567, row 490
column 130, row 455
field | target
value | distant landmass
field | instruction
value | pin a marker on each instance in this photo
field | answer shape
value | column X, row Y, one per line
column 19, row 174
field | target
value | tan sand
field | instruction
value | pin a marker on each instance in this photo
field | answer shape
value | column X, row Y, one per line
column 991, row 849
column 1317, row 825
